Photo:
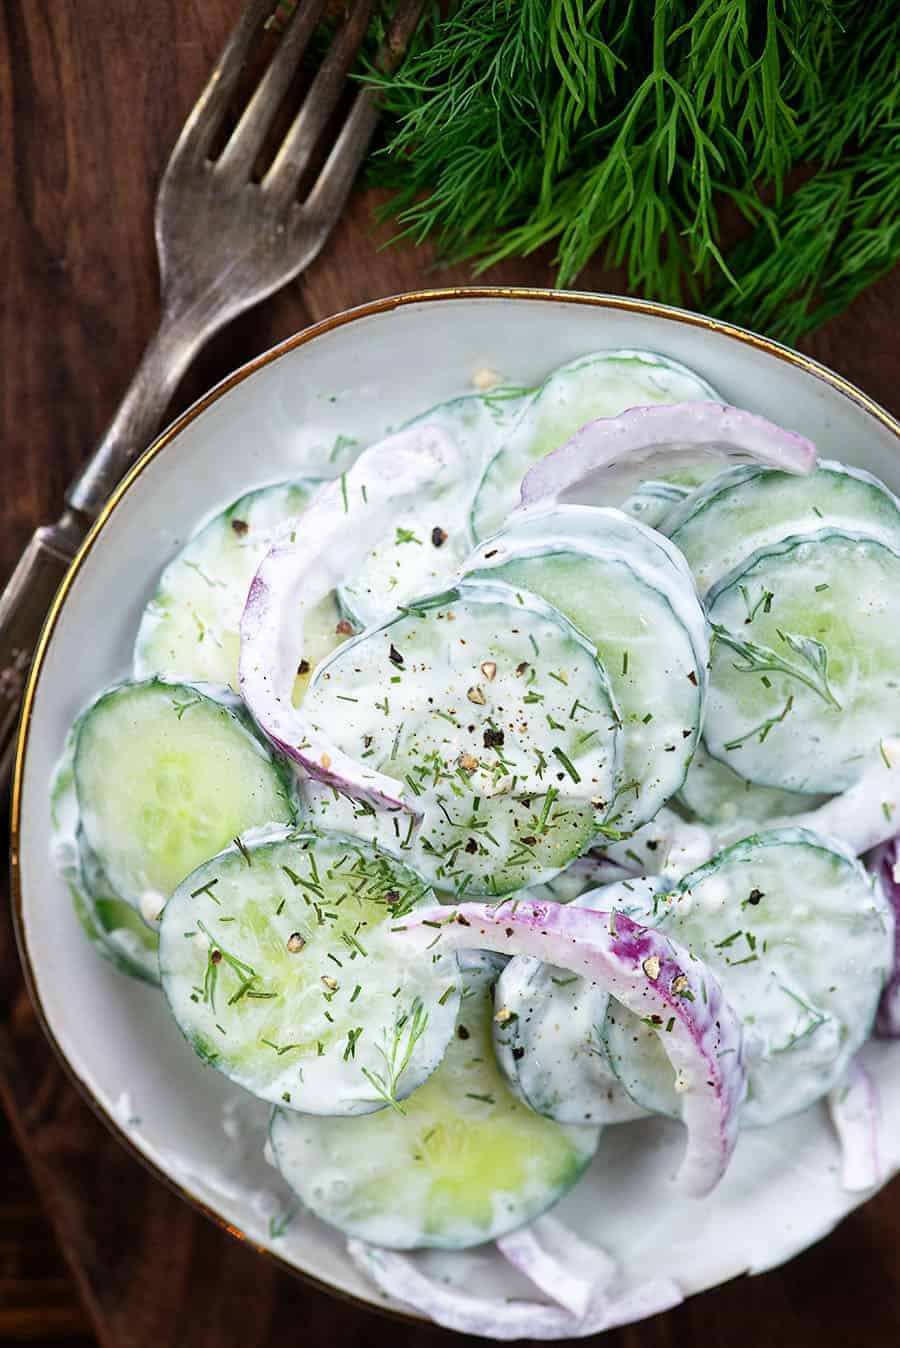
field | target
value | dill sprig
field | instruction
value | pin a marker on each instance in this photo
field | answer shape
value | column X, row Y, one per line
column 407, row 1031
column 623, row 129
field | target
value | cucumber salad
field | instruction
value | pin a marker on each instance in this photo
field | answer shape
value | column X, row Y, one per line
column 538, row 773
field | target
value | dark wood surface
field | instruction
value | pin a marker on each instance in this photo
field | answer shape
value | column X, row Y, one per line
column 92, row 95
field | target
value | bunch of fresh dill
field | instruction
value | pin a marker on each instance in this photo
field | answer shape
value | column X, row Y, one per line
column 629, row 128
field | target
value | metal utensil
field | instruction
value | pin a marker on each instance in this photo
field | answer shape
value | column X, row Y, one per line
column 224, row 242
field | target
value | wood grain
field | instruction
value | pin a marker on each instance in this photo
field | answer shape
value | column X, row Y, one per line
column 92, row 96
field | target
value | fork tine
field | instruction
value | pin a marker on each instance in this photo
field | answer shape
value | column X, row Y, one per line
column 247, row 138
column 207, row 113
column 324, row 94
column 332, row 187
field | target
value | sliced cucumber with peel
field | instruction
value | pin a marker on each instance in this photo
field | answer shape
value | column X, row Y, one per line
column 549, row 1022
column 165, row 775
column 473, row 692
column 652, row 502
column 428, row 543
column 748, row 507
column 464, row 1163
column 503, row 845
column 801, row 940
column 629, row 592
column 715, row 794
column 189, row 629
column 497, row 717
column 112, row 926
column 805, row 667
column 277, row 961
column 599, row 385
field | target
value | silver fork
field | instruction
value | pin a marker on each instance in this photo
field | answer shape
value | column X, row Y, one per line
column 224, row 243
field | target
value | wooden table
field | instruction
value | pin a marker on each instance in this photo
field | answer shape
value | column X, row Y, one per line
column 92, row 96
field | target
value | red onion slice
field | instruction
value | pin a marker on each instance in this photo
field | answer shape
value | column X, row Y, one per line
column 662, row 438
column 318, row 551
column 855, row 1112
column 886, row 865
column 650, row 974
column 560, row 1264
column 489, row 1318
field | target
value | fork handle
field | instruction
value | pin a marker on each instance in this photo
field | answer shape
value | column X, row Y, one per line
column 23, row 608
column 29, row 591
column 140, row 412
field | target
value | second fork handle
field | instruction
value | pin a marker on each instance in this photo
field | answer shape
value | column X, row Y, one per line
column 140, row 413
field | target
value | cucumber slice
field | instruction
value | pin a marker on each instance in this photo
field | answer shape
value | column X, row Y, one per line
column 124, row 937
column 504, row 845
column 587, row 872
column 309, row 1003
column 549, row 1023
column 189, row 629
column 498, row 716
column 464, row 1163
column 801, row 942
column 115, row 930
column 482, row 686
column 429, row 542
column 805, row 671
column 599, row 385
column 166, row 775
column 629, row 592
column 653, row 502
column 715, row 794
column 747, row 508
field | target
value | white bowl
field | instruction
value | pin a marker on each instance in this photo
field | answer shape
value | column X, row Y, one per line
column 358, row 374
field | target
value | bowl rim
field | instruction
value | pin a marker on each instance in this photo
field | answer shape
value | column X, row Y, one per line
column 366, row 310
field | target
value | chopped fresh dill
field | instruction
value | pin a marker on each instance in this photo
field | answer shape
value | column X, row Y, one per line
column 407, row 1031
column 763, row 729
column 567, row 764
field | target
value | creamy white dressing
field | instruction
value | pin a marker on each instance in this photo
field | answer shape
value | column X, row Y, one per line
column 296, row 576
column 630, row 591
column 429, row 539
column 399, row 525
column 465, row 1163
column 801, row 941
column 490, row 693
column 823, row 618
column 550, row 1045
column 310, row 1003
column 599, row 385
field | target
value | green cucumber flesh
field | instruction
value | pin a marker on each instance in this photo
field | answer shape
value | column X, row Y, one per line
column 716, row 795
column 279, row 965
column 620, row 585
column 165, row 776
column 113, row 927
column 190, row 628
column 749, row 507
column 549, row 1023
column 465, row 1163
column 803, row 705
column 498, row 717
